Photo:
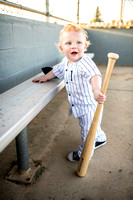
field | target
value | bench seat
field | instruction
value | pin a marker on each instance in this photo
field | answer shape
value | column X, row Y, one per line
column 19, row 105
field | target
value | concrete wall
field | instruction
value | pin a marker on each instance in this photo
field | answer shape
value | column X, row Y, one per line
column 112, row 40
column 28, row 45
column 25, row 47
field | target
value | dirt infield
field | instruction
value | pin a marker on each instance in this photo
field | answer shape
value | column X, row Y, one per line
column 52, row 135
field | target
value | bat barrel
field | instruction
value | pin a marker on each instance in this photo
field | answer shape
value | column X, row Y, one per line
column 113, row 56
column 111, row 61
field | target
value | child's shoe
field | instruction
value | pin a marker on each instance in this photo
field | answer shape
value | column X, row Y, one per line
column 73, row 156
column 99, row 144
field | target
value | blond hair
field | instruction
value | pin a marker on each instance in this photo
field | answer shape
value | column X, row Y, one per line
column 71, row 27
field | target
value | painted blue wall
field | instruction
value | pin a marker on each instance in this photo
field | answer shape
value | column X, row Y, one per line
column 111, row 40
column 25, row 47
column 28, row 45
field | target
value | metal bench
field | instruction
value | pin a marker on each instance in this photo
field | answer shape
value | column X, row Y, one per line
column 18, row 106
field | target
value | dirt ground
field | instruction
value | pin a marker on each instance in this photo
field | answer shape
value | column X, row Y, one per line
column 52, row 135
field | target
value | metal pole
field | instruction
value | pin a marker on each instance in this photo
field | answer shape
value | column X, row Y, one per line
column 78, row 12
column 22, row 151
column 47, row 10
column 121, row 12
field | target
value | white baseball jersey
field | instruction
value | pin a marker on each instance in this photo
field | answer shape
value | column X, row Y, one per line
column 77, row 81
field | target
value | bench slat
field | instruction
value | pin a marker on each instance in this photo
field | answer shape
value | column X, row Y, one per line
column 21, row 104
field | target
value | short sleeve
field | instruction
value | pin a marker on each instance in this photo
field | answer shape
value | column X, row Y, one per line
column 58, row 69
column 88, row 68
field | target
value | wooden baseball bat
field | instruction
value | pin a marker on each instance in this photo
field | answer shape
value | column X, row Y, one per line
column 88, row 146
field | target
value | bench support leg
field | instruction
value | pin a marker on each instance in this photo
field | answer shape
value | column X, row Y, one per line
column 22, row 151
column 21, row 172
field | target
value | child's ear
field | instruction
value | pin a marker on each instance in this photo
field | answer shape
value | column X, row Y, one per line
column 60, row 47
column 87, row 43
column 85, row 47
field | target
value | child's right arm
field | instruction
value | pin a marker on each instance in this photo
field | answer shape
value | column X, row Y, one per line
column 45, row 78
column 96, row 88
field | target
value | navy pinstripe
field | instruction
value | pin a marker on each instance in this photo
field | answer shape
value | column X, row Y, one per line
column 80, row 95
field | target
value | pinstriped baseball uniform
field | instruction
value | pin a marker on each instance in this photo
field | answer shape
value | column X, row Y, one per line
column 77, row 79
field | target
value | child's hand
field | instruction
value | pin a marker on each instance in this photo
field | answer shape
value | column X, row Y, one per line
column 99, row 96
column 45, row 78
column 40, row 80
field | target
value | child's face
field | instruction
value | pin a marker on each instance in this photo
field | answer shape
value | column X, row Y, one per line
column 73, row 45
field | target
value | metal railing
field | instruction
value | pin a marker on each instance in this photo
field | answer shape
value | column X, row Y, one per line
column 47, row 15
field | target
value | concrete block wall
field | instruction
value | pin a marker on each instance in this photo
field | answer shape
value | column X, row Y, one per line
column 119, row 41
column 28, row 45
column 25, row 47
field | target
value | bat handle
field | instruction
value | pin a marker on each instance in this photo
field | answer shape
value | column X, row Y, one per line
column 111, row 61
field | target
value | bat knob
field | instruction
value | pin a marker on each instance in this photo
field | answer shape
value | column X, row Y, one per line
column 113, row 56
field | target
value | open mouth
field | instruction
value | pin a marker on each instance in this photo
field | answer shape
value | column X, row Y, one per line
column 74, row 53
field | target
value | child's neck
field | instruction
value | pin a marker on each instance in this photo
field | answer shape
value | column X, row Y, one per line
column 69, row 63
